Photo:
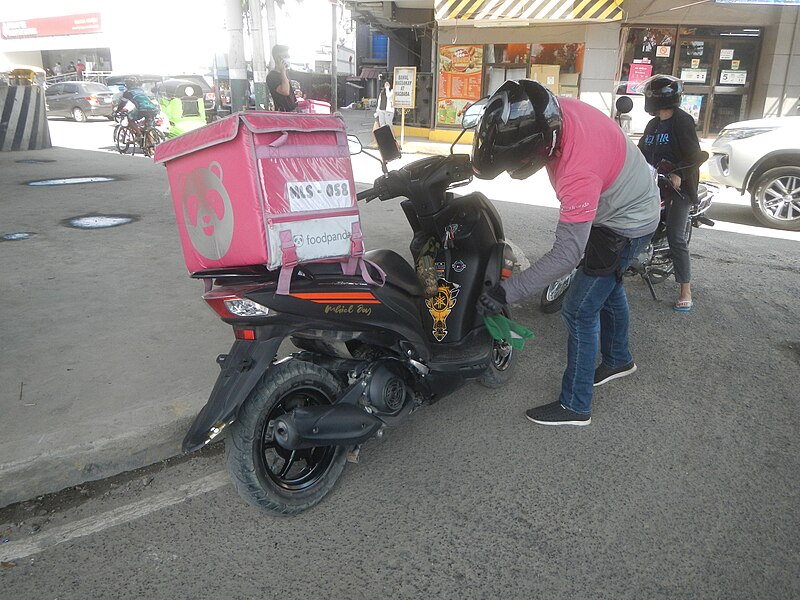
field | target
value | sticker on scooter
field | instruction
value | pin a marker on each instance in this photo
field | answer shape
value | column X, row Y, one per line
column 459, row 266
column 441, row 305
column 439, row 267
column 207, row 212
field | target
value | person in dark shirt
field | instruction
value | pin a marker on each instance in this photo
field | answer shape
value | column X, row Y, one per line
column 278, row 82
column 671, row 137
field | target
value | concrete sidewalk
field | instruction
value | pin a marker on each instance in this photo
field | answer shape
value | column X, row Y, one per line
column 107, row 348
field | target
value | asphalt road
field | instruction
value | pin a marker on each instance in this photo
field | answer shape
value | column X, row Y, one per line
column 684, row 486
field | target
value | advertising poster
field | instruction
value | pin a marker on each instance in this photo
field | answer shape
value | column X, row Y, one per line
column 692, row 105
column 639, row 72
column 460, row 69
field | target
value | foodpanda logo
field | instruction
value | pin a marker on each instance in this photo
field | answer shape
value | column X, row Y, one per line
column 298, row 241
column 324, row 238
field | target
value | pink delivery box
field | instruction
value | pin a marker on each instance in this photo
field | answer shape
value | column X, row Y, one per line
column 238, row 183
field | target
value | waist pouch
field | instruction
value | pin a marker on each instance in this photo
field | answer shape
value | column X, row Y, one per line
column 603, row 252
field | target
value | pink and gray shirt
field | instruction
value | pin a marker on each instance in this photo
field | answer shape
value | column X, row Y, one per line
column 600, row 178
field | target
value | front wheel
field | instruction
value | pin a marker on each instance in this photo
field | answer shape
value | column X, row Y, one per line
column 78, row 115
column 267, row 475
column 776, row 198
column 122, row 138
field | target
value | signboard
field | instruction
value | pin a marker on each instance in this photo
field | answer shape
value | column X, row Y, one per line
column 663, row 51
column 638, row 73
column 726, row 54
column 772, row 2
column 460, row 70
column 733, row 77
column 405, row 87
column 50, row 26
column 694, row 75
column 692, row 105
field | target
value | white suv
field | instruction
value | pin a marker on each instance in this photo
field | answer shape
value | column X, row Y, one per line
column 762, row 157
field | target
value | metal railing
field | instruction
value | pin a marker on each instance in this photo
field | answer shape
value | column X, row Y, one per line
column 97, row 76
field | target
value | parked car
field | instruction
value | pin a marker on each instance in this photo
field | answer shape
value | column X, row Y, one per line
column 762, row 157
column 79, row 100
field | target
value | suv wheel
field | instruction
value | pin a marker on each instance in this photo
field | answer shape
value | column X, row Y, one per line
column 776, row 198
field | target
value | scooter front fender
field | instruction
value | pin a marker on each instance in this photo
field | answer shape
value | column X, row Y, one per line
column 242, row 367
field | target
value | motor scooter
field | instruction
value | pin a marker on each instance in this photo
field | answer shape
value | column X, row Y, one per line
column 368, row 356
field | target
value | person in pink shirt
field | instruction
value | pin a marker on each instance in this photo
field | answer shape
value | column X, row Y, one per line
column 609, row 211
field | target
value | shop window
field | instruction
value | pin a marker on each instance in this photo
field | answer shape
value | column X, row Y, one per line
column 504, row 62
column 648, row 51
column 558, row 67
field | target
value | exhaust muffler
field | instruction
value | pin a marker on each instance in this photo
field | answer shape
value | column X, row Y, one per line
column 314, row 426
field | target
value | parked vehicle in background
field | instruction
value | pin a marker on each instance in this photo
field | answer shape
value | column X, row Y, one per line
column 79, row 100
column 209, row 97
column 762, row 157
column 183, row 104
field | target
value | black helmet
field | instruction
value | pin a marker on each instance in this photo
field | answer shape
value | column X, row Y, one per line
column 519, row 132
column 661, row 91
column 132, row 82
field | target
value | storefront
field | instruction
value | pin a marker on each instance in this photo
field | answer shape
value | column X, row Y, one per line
column 718, row 66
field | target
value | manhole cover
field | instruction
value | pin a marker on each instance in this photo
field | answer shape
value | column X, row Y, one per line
column 71, row 180
column 14, row 237
column 35, row 161
column 99, row 221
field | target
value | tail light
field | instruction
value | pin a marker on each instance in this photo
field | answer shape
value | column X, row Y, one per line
column 92, row 100
column 232, row 305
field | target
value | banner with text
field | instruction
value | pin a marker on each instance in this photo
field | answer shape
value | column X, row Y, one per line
column 460, row 71
column 405, row 87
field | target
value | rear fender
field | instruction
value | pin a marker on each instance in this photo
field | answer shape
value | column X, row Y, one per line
column 242, row 368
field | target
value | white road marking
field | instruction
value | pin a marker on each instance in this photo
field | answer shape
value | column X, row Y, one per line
column 112, row 518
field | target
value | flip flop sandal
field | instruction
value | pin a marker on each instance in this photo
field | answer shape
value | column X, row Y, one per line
column 683, row 305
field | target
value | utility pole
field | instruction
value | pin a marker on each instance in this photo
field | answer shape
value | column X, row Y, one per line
column 237, row 68
column 334, row 55
column 259, row 63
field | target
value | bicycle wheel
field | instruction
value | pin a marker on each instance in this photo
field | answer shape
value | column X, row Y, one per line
column 150, row 140
column 122, row 138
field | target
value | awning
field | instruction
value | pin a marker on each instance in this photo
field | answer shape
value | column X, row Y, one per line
column 485, row 11
column 370, row 73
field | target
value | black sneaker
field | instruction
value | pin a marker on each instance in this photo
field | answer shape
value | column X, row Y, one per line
column 556, row 414
column 604, row 374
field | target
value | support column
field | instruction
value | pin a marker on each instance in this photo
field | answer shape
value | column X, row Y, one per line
column 237, row 67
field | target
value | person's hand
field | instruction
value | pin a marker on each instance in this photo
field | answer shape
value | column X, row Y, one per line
column 492, row 301
column 675, row 179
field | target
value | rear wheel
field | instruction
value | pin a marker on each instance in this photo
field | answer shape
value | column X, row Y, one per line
column 152, row 138
column 267, row 475
column 78, row 115
column 776, row 198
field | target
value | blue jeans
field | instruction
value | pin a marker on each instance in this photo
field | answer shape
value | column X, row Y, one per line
column 596, row 314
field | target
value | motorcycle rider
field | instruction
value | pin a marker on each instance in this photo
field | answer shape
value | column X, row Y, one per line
column 671, row 136
column 138, row 102
column 609, row 207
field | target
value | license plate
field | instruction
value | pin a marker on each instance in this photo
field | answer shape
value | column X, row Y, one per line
column 106, row 100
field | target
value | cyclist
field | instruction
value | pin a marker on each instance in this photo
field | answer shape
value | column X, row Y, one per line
column 142, row 105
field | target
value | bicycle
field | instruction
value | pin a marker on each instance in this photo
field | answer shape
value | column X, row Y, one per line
column 141, row 132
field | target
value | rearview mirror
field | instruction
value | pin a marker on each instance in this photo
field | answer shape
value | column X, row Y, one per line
column 624, row 105
column 473, row 114
column 354, row 145
column 387, row 144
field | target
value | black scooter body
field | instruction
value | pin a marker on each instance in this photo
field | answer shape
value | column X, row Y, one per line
column 440, row 342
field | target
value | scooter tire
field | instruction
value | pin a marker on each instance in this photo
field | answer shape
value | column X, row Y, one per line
column 501, row 368
column 248, row 451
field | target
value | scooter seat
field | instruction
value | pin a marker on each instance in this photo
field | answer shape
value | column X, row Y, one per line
column 398, row 272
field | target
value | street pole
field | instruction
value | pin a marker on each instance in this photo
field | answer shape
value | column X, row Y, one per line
column 237, row 68
column 272, row 32
column 334, row 55
column 259, row 62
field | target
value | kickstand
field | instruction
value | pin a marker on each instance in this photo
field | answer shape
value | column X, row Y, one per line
column 649, row 283
column 353, row 455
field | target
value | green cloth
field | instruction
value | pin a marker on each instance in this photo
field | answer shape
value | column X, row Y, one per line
column 504, row 329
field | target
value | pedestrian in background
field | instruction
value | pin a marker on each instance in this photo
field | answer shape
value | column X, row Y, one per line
column 58, row 70
column 79, row 69
column 385, row 111
column 278, row 81
column 671, row 138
